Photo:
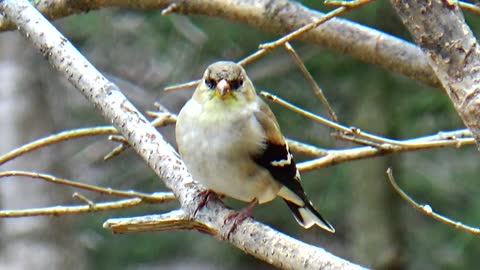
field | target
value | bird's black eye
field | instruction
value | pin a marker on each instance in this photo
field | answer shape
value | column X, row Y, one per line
column 235, row 84
column 210, row 83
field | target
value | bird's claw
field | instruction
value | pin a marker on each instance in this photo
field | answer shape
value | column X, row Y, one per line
column 205, row 196
column 239, row 216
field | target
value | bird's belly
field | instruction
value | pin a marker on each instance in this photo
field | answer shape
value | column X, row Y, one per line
column 218, row 153
column 217, row 168
column 239, row 181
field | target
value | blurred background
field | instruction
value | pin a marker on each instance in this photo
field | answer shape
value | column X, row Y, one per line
column 143, row 52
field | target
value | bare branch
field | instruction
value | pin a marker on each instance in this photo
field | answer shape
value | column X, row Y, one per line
column 280, row 16
column 452, row 50
column 274, row 247
column 457, row 138
column 316, row 89
column 427, row 209
column 56, row 138
column 306, row 149
column 174, row 220
column 138, row 198
column 72, row 209
column 189, row 84
column 84, row 199
column 352, row 132
column 109, row 191
column 161, row 119
column 306, row 28
column 266, row 47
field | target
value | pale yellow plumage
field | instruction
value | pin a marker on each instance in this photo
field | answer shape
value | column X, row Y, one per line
column 232, row 144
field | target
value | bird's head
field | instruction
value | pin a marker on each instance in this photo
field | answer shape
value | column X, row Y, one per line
column 225, row 81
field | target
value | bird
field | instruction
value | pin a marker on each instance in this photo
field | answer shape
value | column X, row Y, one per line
column 232, row 145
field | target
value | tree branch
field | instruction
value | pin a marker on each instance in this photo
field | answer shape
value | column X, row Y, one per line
column 109, row 191
column 427, row 209
column 174, row 220
column 439, row 28
column 254, row 238
column 457, row 138
column 280, row 17
column 73, row 209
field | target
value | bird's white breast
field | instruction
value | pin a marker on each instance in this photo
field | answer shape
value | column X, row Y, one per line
column 218, row 148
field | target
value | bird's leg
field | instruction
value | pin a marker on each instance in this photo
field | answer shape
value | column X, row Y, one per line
column 240, row 216
column 205, row 196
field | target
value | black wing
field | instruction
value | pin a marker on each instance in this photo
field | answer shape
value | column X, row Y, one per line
column 278, row 160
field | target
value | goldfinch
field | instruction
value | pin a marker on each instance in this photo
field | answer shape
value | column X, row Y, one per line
column 231, row 143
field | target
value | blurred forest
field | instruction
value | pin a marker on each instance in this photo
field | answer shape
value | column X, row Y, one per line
column 143, row 52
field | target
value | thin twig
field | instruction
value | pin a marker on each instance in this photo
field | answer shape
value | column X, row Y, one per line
column 306, row 149
column 117, row 138
column 295, row 34
column 266, row 47
column 316, row 89
column 84, row 199
column 116, row 151
column 427, row 209
column 360, row 141
column 161, row 118
column 56, row 138
column 346, row 3
column 252, row 57
column 119, row 149
column 181, row 86
column 356, row 132
column 129, row 194
column 456, row 138
column 169, row 9
column 71, row 209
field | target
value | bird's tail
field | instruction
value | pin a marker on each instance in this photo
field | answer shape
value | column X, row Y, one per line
column 307, row 216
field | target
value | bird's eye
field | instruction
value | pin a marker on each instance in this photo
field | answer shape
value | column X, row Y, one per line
column 210, row 83
column 235, row 84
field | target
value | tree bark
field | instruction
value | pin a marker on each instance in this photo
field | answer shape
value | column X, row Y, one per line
column 439, row 28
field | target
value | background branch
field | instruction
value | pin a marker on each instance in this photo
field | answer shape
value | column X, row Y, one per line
column 156, row 198
column 279, row 17
column 455, row 138
column 427, row 209
column 72, row 209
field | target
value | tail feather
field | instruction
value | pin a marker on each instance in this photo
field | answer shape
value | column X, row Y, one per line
column 307, row 216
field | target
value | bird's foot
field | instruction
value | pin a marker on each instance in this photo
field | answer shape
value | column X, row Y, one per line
column 205, row 196
column 239, row 216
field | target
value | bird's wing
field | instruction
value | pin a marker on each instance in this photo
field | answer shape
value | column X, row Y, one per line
column 276, row 157
column 278, row 160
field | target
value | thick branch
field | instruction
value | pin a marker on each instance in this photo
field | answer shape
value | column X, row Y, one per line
column 280, row 17
column 439, row 28
column 174, row 220
column 250, row 236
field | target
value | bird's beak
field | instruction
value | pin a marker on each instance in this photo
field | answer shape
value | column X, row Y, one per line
column 223, row 88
